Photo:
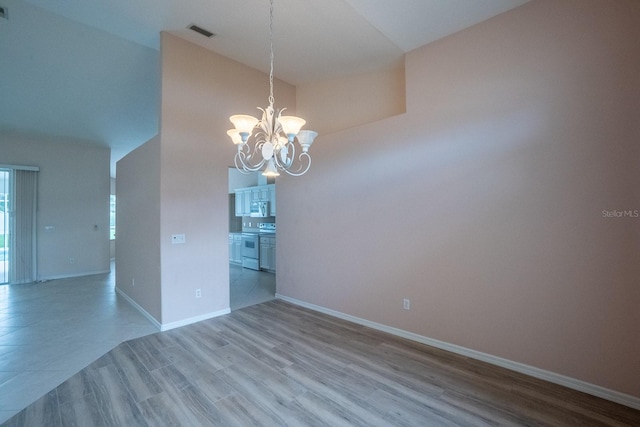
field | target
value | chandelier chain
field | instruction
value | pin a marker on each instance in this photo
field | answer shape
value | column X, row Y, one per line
column 271, row 99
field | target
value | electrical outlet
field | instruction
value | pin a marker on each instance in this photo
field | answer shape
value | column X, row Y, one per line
column 198, row 293
column 133, row 282
column 406, row 304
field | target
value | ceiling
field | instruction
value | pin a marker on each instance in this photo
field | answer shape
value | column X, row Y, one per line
column 88, row 69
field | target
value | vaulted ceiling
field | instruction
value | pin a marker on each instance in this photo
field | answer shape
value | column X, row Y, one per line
column 88, row 69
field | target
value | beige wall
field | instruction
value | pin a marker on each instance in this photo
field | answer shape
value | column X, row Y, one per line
column 138, row 227
column 73, row 197
column 362, row 98
column 483, row 203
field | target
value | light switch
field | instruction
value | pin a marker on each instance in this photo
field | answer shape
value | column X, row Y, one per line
column 177, row 239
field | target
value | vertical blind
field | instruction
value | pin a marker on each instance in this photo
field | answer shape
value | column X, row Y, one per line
column 4, row 224
column 22, row 252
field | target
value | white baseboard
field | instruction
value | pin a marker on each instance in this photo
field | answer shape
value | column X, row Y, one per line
column 167, row 326
column 185, row 322
column 572, row 383
column 138, row 307
column 68, row 276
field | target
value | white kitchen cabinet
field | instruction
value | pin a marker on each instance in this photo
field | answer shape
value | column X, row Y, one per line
column 255, row 194
column 272, row 199
column 261, row 193
column 246, row 202
column 239, row 203
column 268, row 253
column 235, row 248
column 243, row 201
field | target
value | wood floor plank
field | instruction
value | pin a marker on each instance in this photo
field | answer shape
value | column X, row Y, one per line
column 44, row 411
column 75, row 388
column 134, row 375
column 171, row 377
column 356, row 404
column 274, row 402
column 198, row 409
column 117, row 406
column 190, row 365
column 408, row 413
column 195, row 408
column 83, row 411
column 247, row 345
column 160, row 411
column 148, row 354
column 334, row 414
column 196, row 349
column 211, row 386
column 239, row 411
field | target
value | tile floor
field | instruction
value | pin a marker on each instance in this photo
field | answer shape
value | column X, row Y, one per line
column 51, row 330
column 249, row 287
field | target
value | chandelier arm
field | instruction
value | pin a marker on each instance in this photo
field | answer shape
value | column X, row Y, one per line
column 245, row 163
column 292, row 147
column 239, row 167
column 247, row 168
column 300, row 171
column 245, row 152
column 278, row 162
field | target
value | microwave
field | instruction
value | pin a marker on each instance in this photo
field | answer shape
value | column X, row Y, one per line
column 259, row 209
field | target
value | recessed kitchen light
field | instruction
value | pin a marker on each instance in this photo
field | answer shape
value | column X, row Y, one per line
column 200, row 30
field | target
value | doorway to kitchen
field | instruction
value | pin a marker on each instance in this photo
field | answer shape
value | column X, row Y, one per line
column 252, row 233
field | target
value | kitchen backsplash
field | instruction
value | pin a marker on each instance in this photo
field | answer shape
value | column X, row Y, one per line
column 252, row 224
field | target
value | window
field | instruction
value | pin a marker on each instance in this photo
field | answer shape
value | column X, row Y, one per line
column 112, row 217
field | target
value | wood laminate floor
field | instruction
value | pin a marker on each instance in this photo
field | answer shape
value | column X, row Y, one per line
column 277, row 364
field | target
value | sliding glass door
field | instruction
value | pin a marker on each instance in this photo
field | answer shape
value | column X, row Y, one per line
column 5, row 186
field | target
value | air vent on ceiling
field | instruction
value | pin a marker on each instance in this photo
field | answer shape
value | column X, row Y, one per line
column 207, row 34
column 4, row 13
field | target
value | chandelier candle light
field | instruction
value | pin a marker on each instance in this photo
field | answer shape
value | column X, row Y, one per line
column 273, row 143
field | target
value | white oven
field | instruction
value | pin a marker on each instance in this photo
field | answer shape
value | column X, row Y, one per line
column 251, row 251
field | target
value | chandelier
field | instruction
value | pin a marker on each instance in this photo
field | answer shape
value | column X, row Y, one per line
column 273, row 144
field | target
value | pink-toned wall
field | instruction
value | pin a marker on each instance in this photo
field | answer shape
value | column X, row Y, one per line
column 483, row 204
